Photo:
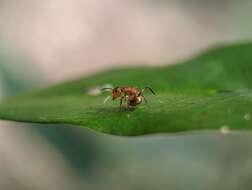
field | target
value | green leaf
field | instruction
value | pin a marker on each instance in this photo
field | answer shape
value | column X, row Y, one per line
column 211, row 91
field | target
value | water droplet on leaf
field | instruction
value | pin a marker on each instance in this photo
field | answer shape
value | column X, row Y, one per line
column 225, row 129
column 247, row 117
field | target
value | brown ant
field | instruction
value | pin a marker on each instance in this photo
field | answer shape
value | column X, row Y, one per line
column 131, row 95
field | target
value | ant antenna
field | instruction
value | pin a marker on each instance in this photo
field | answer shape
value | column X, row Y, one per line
column 103, row 89
column 106, row 99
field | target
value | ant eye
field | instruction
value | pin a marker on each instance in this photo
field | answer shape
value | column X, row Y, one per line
column 116, row 90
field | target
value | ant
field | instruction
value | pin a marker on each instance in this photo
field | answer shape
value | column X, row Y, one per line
column 131, row 95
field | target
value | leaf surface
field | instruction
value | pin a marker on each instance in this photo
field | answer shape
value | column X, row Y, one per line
column 210, row 91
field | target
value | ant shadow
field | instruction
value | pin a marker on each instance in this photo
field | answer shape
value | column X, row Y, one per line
column 116, row 109
column 224, row 91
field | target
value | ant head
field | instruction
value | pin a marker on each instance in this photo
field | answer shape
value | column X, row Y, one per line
column 116, row 92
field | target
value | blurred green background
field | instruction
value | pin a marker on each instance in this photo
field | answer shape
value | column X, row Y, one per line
column 47, row 42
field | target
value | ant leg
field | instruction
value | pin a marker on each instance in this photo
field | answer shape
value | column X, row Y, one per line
column 123, row 98
column 121, row 101
column 145, row 100
column 149, row 88
column 127, row 102
column 127, row 106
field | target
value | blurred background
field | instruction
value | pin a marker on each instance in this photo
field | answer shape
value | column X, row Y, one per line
column 46, row 42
